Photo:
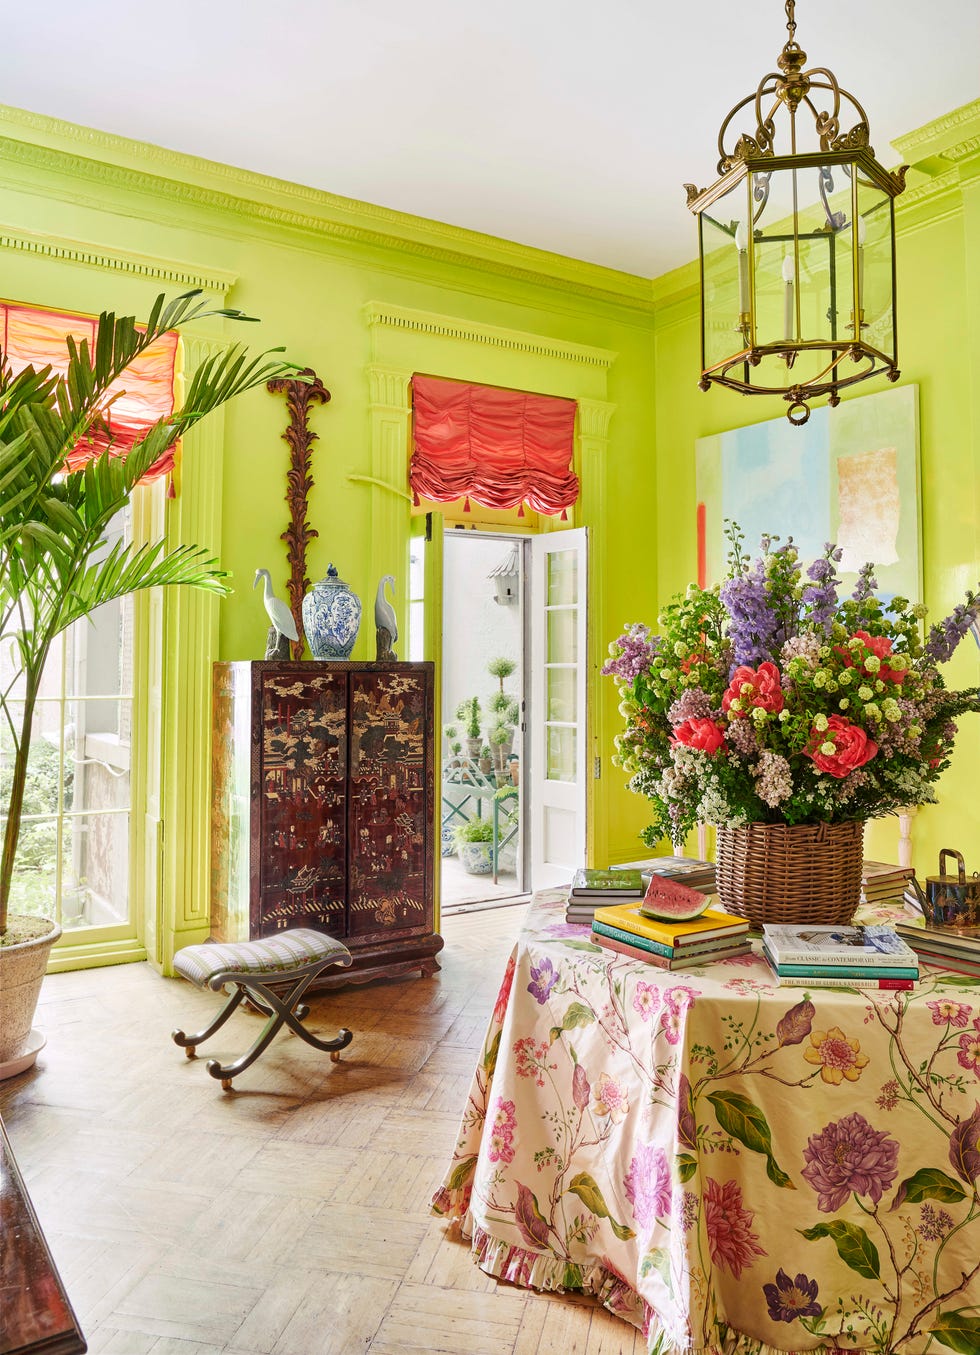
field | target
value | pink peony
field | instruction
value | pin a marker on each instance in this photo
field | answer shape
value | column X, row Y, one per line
column 648, row 1185
column 703, row 734
column 765, row 689
column 852, row 747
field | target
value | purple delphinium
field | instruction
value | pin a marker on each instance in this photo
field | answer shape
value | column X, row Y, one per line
column 820, row 596
column 866, row 583
column 944, row 637
column 752, row 622
column 789, row 1299
column 636, row 650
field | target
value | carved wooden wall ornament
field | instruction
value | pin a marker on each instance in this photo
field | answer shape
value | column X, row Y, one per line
column 299, row 392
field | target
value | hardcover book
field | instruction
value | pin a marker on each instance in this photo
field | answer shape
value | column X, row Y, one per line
column 843, row 971
column 712, row 922
column 700, row 956
column 601, row 930
column 858, row 947
column 891, row 985
column 615, row 884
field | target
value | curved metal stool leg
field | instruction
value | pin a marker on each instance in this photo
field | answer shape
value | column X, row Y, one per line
column 287, row 1010
column 189, row 1043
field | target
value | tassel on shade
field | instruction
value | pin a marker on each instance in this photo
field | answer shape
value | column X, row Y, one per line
column 466, row 504
column 415, row 498
column 564, row 515
column 520, row 509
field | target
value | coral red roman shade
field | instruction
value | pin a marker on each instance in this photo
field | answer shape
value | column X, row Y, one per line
column 499, row 448
column 143, row 395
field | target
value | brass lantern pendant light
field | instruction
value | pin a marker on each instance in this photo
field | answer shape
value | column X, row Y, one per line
column 797, row 245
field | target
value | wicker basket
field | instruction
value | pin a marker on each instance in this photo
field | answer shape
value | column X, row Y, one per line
column 807, row 874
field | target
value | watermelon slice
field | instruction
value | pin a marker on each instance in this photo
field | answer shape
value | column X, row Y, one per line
column 672, row 901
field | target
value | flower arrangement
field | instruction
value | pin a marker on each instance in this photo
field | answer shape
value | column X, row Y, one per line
column 771, row 699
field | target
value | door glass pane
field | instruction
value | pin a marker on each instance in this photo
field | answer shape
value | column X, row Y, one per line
column 562, row 577
column 94, row 870
column 563, row 636
column 561, row 754
column 561, row 695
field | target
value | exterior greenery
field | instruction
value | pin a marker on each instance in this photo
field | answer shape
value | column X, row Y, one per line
column 55, row 567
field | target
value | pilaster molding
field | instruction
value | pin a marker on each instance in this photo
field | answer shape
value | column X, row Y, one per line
column 189, row 276
column 190, row 647
column 593, row 419
column 491, row 336
column 389, row 388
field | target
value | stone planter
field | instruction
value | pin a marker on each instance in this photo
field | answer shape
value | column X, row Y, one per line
column 21, row 971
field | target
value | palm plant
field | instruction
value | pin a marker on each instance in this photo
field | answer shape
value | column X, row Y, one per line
column 55, row 567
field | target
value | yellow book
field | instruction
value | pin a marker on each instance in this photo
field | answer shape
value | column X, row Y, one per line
column 712, row 922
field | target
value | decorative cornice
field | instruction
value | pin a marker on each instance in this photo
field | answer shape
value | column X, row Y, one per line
column 117, row 162
column 491, row 336
column 963, row 150
column 922, row 137
column 119, row 261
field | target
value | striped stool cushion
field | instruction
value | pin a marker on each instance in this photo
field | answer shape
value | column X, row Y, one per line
column 279, row 954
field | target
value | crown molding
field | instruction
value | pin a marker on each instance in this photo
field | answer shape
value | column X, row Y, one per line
column 930, row 138
column 49, row 144
column 125, row 261
column 380, row 315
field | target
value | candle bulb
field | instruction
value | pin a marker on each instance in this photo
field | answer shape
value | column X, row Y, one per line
column 789, row 272
column 861, row 236
column 742, row 245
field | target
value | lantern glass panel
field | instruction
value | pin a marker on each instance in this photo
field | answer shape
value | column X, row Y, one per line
column 725, row 274
column 875, row 209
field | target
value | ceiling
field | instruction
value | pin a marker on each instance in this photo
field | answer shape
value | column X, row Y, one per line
column 570, row 126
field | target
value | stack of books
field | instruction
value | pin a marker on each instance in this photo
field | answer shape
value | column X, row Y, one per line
column 628, row 929
column 687, row 869
column 591, row 889
column 839, row 957
column 881, row 882
column 952, row 948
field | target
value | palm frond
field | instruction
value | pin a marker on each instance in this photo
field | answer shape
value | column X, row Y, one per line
column 127, row 569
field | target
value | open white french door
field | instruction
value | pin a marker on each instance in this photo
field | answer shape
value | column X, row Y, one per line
column 424, row 641
column 558, row 738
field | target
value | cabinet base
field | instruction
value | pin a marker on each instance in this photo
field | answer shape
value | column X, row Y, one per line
column 381, row 962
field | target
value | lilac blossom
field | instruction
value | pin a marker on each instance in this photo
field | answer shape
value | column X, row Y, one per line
column 741, row 736
column 773, row 779
column 692, row 704
column 944, row 637
column 636, row 651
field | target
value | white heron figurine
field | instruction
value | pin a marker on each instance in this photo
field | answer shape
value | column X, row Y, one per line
column 283, row 628
column 384, row 621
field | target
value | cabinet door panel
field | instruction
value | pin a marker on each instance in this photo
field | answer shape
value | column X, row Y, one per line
column 389, row 886
column 299, row 853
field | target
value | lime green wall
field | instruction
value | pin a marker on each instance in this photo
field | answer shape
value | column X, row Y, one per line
column 939, row 349
column 88, row 220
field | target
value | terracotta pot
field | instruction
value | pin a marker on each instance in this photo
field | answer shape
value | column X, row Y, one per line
column 21, row 971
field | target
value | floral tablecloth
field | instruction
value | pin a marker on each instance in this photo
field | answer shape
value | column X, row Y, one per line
column 731, row 1166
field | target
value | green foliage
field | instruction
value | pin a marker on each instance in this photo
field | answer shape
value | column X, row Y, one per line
column 485, row 751
column 56, row 564
column 474, row 830
column 450, row 732
column 501, row 668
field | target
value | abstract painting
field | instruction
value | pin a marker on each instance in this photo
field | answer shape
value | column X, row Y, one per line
column 850, row 475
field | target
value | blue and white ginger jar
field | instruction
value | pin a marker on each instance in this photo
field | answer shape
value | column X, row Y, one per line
column 331, row 617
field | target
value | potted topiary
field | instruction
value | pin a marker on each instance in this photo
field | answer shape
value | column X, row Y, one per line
column 486, row 760
column 55, row 568
column 468, row 713
column 474, row 842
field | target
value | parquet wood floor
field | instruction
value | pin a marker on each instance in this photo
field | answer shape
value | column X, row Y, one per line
column 289, row 1217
